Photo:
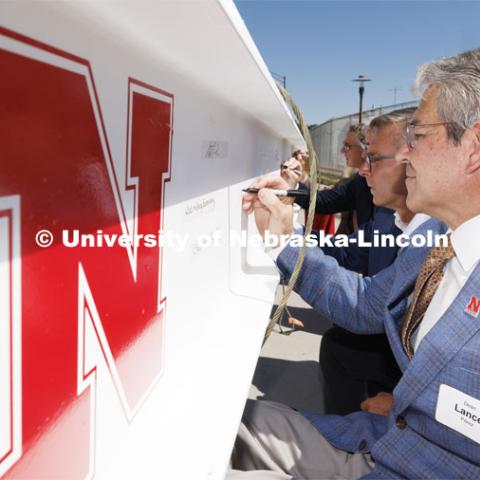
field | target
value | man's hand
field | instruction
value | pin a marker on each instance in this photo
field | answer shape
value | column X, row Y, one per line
column 381, row 404
column 272, row 213
column 292, row 172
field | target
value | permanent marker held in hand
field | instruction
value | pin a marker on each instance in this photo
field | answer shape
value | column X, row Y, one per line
column 280, row 193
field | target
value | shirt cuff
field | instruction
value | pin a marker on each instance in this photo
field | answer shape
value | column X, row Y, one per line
column 274, row 252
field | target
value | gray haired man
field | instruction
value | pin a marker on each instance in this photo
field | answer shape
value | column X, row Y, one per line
column 427, row 302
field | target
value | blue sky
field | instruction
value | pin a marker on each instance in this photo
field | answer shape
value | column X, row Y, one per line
column 322, row 45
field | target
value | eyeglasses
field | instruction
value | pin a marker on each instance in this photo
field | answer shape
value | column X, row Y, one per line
column 347, row 146
column 410, row 136
column 299, row 152
column 371, row 159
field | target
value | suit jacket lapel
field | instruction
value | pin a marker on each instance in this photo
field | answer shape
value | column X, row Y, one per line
column 439, row 346
column 410, row 261
column 408, row 264
column 392, row 329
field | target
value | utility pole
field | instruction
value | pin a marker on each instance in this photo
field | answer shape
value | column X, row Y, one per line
column 395, row 90
column 361, row 79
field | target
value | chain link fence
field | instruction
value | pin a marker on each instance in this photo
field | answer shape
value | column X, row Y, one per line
column 328, row 137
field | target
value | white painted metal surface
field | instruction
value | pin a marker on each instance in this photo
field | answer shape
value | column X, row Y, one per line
column 230, row 125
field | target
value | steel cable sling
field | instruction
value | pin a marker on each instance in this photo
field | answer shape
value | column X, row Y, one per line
column 281, row 307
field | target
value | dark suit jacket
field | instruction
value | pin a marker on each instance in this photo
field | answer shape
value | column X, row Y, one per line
column 351, row 195
column 365, row 260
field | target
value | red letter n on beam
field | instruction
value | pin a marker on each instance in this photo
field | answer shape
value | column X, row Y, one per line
column 56, row 160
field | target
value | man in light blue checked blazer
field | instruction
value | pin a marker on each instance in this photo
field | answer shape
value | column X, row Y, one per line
column 427, row 302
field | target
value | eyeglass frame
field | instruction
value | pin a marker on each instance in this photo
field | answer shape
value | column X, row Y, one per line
column 347, row 146
column 371, row 159
column 410, row 132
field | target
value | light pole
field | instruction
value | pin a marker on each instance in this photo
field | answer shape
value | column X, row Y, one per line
column 361, row 79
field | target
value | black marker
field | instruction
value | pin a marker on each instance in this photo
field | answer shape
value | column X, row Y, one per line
column 281, row 193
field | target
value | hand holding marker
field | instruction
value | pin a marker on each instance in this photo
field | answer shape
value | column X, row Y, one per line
column 280, row 193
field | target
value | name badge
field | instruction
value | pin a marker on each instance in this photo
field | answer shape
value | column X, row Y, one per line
column 459, row 411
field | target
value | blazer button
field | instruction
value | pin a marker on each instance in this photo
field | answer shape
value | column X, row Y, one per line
column 401, row 422
column 362, row 445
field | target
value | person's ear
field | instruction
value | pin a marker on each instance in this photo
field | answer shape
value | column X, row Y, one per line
column 472, row 140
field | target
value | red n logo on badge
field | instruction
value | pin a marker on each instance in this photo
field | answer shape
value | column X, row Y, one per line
column 473, row 306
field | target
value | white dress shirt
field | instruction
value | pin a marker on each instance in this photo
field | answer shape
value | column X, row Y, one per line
column 456, row 273
column 415, row 222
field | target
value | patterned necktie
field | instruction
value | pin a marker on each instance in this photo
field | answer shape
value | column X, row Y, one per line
column 426, row 285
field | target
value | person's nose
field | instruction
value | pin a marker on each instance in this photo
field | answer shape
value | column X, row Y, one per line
column 403, row 154
column 364, row 169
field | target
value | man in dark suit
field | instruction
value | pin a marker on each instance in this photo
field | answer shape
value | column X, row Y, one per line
column 354, row 366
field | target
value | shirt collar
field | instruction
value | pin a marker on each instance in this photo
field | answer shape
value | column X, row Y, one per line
column 465, row 244
column 415, row 222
